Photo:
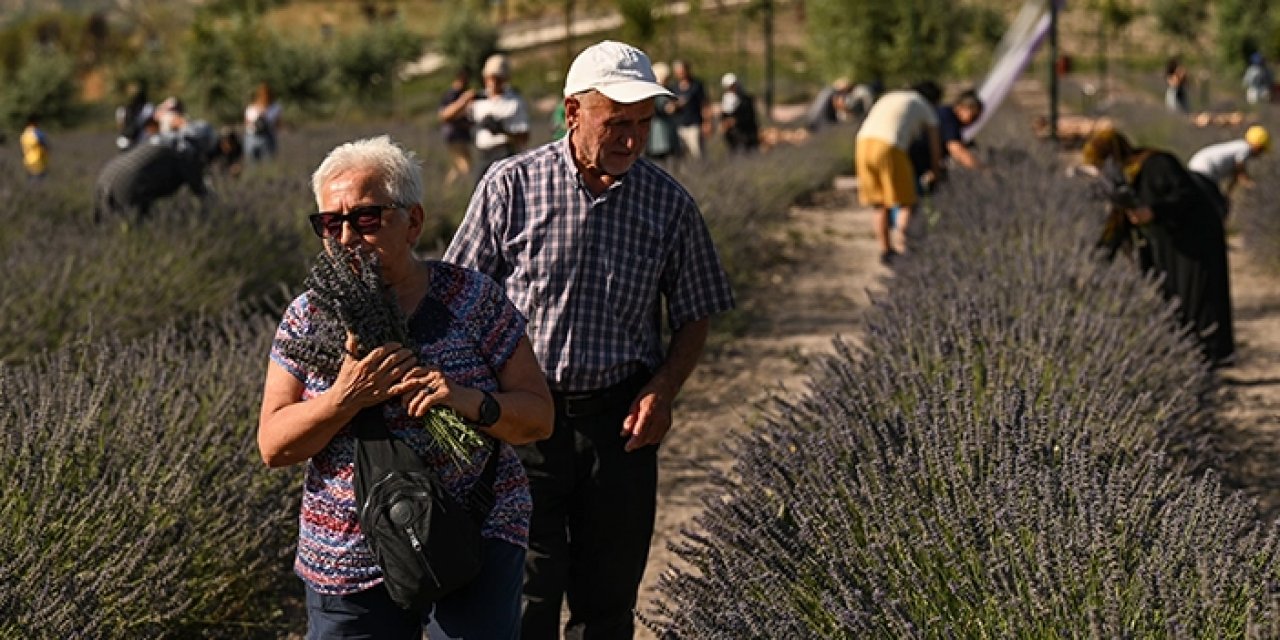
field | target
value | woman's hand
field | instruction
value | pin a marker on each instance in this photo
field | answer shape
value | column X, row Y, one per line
column 424, row 387
column 1141, row 216
column 369, row 380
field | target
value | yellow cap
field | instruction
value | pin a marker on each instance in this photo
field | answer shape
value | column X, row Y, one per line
column 1258, row 138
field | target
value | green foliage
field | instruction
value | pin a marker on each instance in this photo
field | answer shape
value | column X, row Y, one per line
column 1182, row 19
column 1242, row 28
column 45, row 84
column 1117, row 15
column 468, row 38
column 211, row 77
column 297, row 72
column 639, row 21
column 982, row 29
column 367, row 62
column 896, row 41
column 153, row 71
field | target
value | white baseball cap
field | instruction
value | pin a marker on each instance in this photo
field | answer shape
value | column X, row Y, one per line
column 619, row 71
column 497, row 66
column 728, row 80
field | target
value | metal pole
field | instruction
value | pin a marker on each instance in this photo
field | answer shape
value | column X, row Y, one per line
column 1053, row 70
column 768, row 58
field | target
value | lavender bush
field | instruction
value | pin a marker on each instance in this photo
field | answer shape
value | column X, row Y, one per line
column 131, row 363
column 135, row 503
column 1018, row 449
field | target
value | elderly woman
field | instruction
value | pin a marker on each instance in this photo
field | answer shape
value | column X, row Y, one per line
column 1181, row 229
column 476, row 360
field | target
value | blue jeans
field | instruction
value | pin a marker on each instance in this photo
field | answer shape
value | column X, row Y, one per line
column 487, row 608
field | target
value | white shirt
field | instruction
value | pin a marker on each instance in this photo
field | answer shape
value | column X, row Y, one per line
column 1219, row 161
column 509, row 109
column 897, row 118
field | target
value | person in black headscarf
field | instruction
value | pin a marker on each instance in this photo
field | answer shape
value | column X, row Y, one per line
column 1180, row 229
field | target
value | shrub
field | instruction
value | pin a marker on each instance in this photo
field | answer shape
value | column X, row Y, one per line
column 468, row 38
column 135, row 504
column 298, row 73
column 366, row 62
column 45, row 84
column 992, row 461
column 211, row 77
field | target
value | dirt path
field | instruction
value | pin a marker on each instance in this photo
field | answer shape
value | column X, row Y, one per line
column 818, row 298
column 1251, row 391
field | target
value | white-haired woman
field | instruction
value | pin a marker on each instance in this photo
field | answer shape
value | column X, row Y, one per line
column 476, row 359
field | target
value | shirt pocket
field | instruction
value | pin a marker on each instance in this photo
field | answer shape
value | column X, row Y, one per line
column 631, row 285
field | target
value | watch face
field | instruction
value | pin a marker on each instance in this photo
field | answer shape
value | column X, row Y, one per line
column 490, row 410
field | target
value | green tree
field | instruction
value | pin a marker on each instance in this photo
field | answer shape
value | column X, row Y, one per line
column 366, row 62
column 1181, row 19
column 896, row 40
column 211, row 79
column 298, row 73
column 639, row 21
column 468, row 38
column 1242, row 28
column 45, row 84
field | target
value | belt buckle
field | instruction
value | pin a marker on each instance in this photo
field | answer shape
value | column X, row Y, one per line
column 577, row 405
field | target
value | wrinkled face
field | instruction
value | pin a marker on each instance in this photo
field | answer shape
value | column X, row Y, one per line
column 394, row 239
column 607, row 137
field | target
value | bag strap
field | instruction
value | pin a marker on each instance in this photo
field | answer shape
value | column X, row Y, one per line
column 371, row 430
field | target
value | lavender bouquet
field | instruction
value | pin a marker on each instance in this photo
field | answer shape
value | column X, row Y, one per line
column 348, row 294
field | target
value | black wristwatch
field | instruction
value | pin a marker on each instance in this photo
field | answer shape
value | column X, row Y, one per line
column 490, row 410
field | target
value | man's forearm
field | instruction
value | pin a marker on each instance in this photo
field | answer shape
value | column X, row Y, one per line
column 683, row 354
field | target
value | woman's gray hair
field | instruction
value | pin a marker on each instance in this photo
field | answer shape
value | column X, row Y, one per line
column 399, row 168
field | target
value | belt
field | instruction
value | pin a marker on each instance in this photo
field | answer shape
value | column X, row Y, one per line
column 578, row 404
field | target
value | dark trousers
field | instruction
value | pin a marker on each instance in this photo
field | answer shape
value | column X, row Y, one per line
column 593, row 511
column 486, row 609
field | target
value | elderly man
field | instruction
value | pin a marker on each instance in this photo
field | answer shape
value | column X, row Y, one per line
column 886, row 177
column 590, row 239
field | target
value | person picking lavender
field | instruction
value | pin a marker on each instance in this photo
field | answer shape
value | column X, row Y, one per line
column 463, row 352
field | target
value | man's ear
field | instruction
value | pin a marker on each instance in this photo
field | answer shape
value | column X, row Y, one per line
column 572, row 111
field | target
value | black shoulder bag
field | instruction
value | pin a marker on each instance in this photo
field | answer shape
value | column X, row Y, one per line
column 426, row 543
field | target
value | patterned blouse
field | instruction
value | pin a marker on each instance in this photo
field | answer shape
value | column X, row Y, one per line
column 469, row 329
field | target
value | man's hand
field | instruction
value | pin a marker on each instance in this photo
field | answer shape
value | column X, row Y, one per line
column 648, row 421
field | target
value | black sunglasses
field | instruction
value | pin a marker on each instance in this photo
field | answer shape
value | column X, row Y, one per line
column 365, row 219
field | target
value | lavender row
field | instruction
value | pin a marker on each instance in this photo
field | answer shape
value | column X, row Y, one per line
column 1020, row 447
column 134, row 501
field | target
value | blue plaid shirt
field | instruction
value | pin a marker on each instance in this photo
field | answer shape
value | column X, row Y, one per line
column 590, row 272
